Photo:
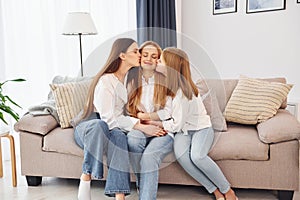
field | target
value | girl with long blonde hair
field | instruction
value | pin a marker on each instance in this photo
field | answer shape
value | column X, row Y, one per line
column 148, row 100
column 189, row 120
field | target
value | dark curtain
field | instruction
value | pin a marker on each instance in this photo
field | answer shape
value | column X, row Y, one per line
column 156, row 20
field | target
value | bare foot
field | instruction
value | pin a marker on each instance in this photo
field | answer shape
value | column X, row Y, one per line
column 120, row 196
column 230, row 195
column 85, row 177
column 219, row 195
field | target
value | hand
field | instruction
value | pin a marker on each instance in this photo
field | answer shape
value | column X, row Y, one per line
column 152, row 130
column 161, row 133
column 158, row 124
column 145, row 121
column 142, row 115
column 152, row 122
column 141, row 108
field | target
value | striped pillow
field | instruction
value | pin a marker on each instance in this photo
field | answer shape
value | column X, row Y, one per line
column 254, row 101
column 69, row 98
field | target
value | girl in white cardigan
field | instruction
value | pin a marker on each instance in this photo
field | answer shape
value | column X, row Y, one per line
column 148, row 100
column 194, row 134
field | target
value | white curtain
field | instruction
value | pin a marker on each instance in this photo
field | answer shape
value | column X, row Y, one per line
column 32, row 45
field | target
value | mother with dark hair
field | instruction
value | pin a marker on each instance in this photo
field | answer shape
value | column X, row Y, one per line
column 107, row 97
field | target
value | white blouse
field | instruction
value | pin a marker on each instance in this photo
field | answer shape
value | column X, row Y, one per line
column 110, row 98
column 187, row 115
column 147, row 100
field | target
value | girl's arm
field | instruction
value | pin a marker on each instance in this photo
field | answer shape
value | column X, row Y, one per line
column 161, row 115
column 179, row 111
column 150, row 129
column 180, row 106
column 104, row 102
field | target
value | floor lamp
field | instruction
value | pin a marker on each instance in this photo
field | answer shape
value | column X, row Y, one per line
column 79, row 23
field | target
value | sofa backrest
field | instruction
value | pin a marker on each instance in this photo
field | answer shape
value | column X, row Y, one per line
column 223, row 89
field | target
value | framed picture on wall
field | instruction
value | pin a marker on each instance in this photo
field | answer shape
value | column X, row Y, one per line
column 254, row 6
column 224, row 6
column 298, row 1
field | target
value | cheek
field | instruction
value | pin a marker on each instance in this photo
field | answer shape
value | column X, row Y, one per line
column 134, row 58
column 162, row 69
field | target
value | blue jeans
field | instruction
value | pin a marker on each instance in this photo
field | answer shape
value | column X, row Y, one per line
column 191, row 152
column 96, row 140
column 146, row 155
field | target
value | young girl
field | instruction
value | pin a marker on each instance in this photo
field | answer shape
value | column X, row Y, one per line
column 108, row 97
column 148, row 101
column 194, row 134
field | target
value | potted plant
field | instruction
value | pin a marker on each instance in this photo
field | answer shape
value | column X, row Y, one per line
column 6, row 100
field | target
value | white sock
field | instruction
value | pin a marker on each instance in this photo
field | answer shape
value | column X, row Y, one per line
column 84, row 190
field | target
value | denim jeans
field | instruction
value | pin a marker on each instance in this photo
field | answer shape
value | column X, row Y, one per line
column 146, row 155
column 91, row 137
column 191, row 152
column 96, row 140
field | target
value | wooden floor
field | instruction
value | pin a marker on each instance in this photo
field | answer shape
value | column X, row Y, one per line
column 66, row 189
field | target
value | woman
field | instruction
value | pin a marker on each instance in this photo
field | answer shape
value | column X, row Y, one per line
column 194, row 134
column 148, row 101
column 108, row 97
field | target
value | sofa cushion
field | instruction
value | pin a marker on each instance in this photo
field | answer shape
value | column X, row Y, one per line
column 210, row 102
column 70, row 98
column 282, row 127
column 66, row 79
column 239, row 142
column 62, row 141
column 254, row 101
column 41, row 124
column 224, row 87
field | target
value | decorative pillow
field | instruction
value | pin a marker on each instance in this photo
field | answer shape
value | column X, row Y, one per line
column 211, row 105
column 70, row 98
column 282, row 127
column 66, row 79
column 41, row 124
column 254, row 101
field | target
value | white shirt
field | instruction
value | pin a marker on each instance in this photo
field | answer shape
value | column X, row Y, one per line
column 147, row 99
column 110, row 98
column 187, row 115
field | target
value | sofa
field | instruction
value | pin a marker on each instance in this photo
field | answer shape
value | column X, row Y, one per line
column 263, row 155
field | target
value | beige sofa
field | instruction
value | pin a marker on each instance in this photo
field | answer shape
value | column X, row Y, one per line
column 263, row 156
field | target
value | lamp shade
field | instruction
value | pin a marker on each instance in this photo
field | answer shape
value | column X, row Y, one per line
column 79, row 23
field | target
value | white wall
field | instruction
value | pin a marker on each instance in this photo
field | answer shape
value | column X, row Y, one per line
column 2, row 73
column 257, row 45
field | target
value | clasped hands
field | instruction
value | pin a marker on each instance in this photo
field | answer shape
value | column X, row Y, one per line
column 153, row 128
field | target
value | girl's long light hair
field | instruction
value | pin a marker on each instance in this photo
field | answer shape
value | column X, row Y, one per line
column 112, row 64
column 178, row 72
column 134, row 86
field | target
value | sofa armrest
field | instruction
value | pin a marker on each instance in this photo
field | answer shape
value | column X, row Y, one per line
column 282, row 127
column 42, row 124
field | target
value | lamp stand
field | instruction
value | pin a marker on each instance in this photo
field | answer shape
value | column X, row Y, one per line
column 81, row 65
column 79, row 23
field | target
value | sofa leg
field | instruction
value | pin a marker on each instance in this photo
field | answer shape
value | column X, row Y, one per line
column 285, row 195
column 34, row 180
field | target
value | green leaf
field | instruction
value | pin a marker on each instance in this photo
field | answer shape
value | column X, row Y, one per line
column 15, row 80
column 10, row 111
column 4, row 99
column 18, row 80
column 9, row 99
column 2, row 118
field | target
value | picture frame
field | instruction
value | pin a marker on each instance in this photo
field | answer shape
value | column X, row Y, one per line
column 298, row 1
column 254, row 6
column 224, row 6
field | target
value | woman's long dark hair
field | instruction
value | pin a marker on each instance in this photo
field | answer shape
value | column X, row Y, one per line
column 112, row 65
